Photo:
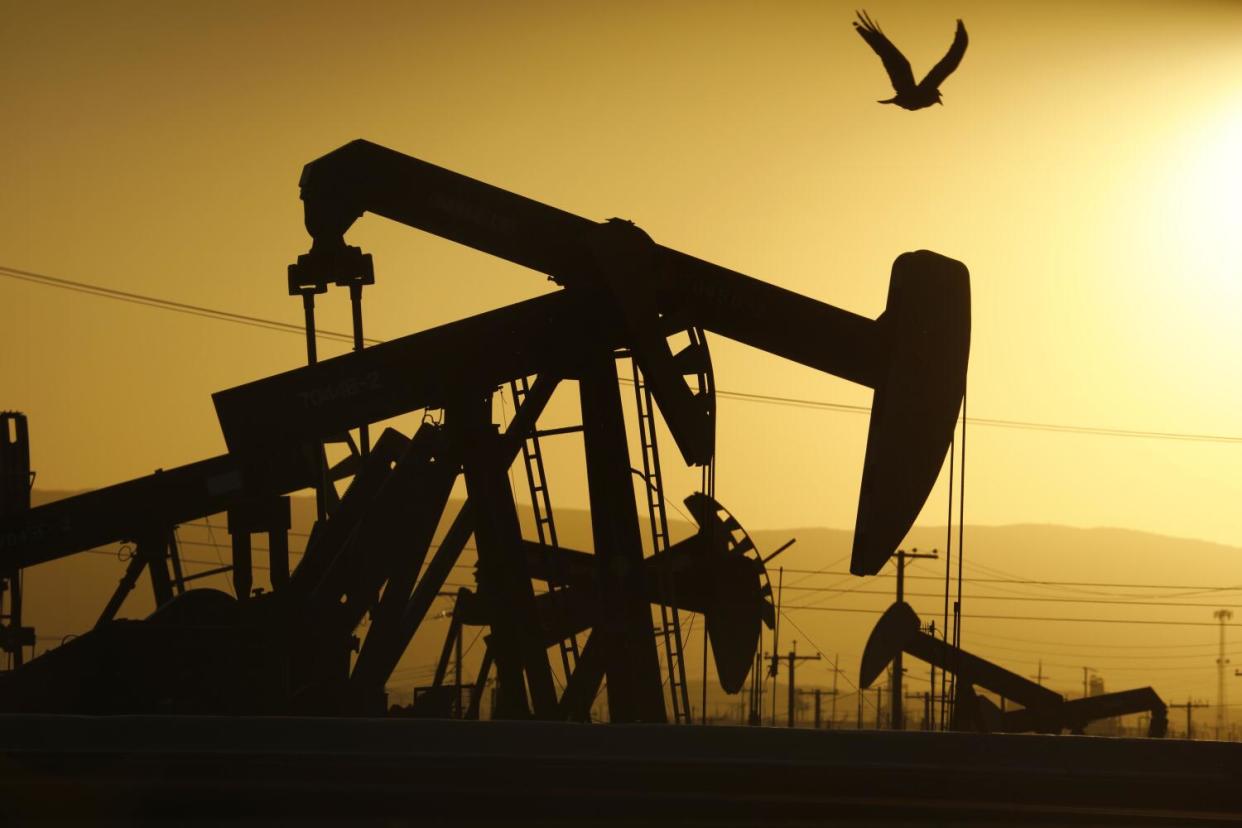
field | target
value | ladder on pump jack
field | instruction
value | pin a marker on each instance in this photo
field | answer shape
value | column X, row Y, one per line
column 541, row 503
column 670, row 620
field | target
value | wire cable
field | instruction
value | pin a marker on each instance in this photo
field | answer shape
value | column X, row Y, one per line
column 1142, row 621
column 1234, row 588
column 741, row 396
column 836, row 592
column 170, row 305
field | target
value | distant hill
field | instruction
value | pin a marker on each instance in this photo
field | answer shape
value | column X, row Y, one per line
column 1013, row 614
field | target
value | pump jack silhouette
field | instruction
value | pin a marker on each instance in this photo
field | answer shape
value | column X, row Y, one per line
column 623, row 297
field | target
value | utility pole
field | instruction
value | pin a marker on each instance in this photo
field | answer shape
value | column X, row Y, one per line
column 1189, row 705
column 776, row 639
column 458, row 708
column 794, row 658
column 923, row 698
column 1039, row 676
column 930, row 713
column 756, row 691
column 773, row 671
column 835, row 670
column 1221, row 615
column 818, row 695
column 1232, row 734
column 898, row 703
column 1085, row 670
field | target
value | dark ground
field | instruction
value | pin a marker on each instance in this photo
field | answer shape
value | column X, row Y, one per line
column 127, row 770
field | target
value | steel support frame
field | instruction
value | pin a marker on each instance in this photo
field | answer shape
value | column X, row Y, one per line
column 13, row 636
column 630, row 657
column 503, row 580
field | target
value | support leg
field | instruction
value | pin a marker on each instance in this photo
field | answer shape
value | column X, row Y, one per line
column 132, row 572
column 379, row 655
column 472, row 712
column 583, row 684
column 174, row 558
column 504, row 583
column 632, row 664
column 278, row 543
column 154, row 547
column 243, row 575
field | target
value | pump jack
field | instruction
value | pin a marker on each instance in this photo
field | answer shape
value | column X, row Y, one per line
column 623, row 296
column 1042, row 711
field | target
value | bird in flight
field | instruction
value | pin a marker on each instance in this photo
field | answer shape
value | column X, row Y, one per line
column 909, row 94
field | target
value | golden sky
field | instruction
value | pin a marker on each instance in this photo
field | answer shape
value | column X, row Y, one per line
column 1085, row 167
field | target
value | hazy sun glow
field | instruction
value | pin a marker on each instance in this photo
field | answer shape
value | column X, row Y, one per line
column 1195, row 244
column 1205, row 197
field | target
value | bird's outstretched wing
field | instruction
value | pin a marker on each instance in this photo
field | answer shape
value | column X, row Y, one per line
column 950, row 61
column 895, row 62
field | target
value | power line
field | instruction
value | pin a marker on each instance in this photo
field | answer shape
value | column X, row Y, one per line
column 844, row 674
column 253, row 565
column 1035, row 582
column 992, row 422
column 170, row 305
column 1145, row 622
column 824, row 568
column 205, row 525
column 741, row 396
column 796, row 402
column 1040, row 598
column 255, row 548
column 995, row 572
column 1109, row 668
column 996, row 422
column 1095, row 646
column 1097, row 654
